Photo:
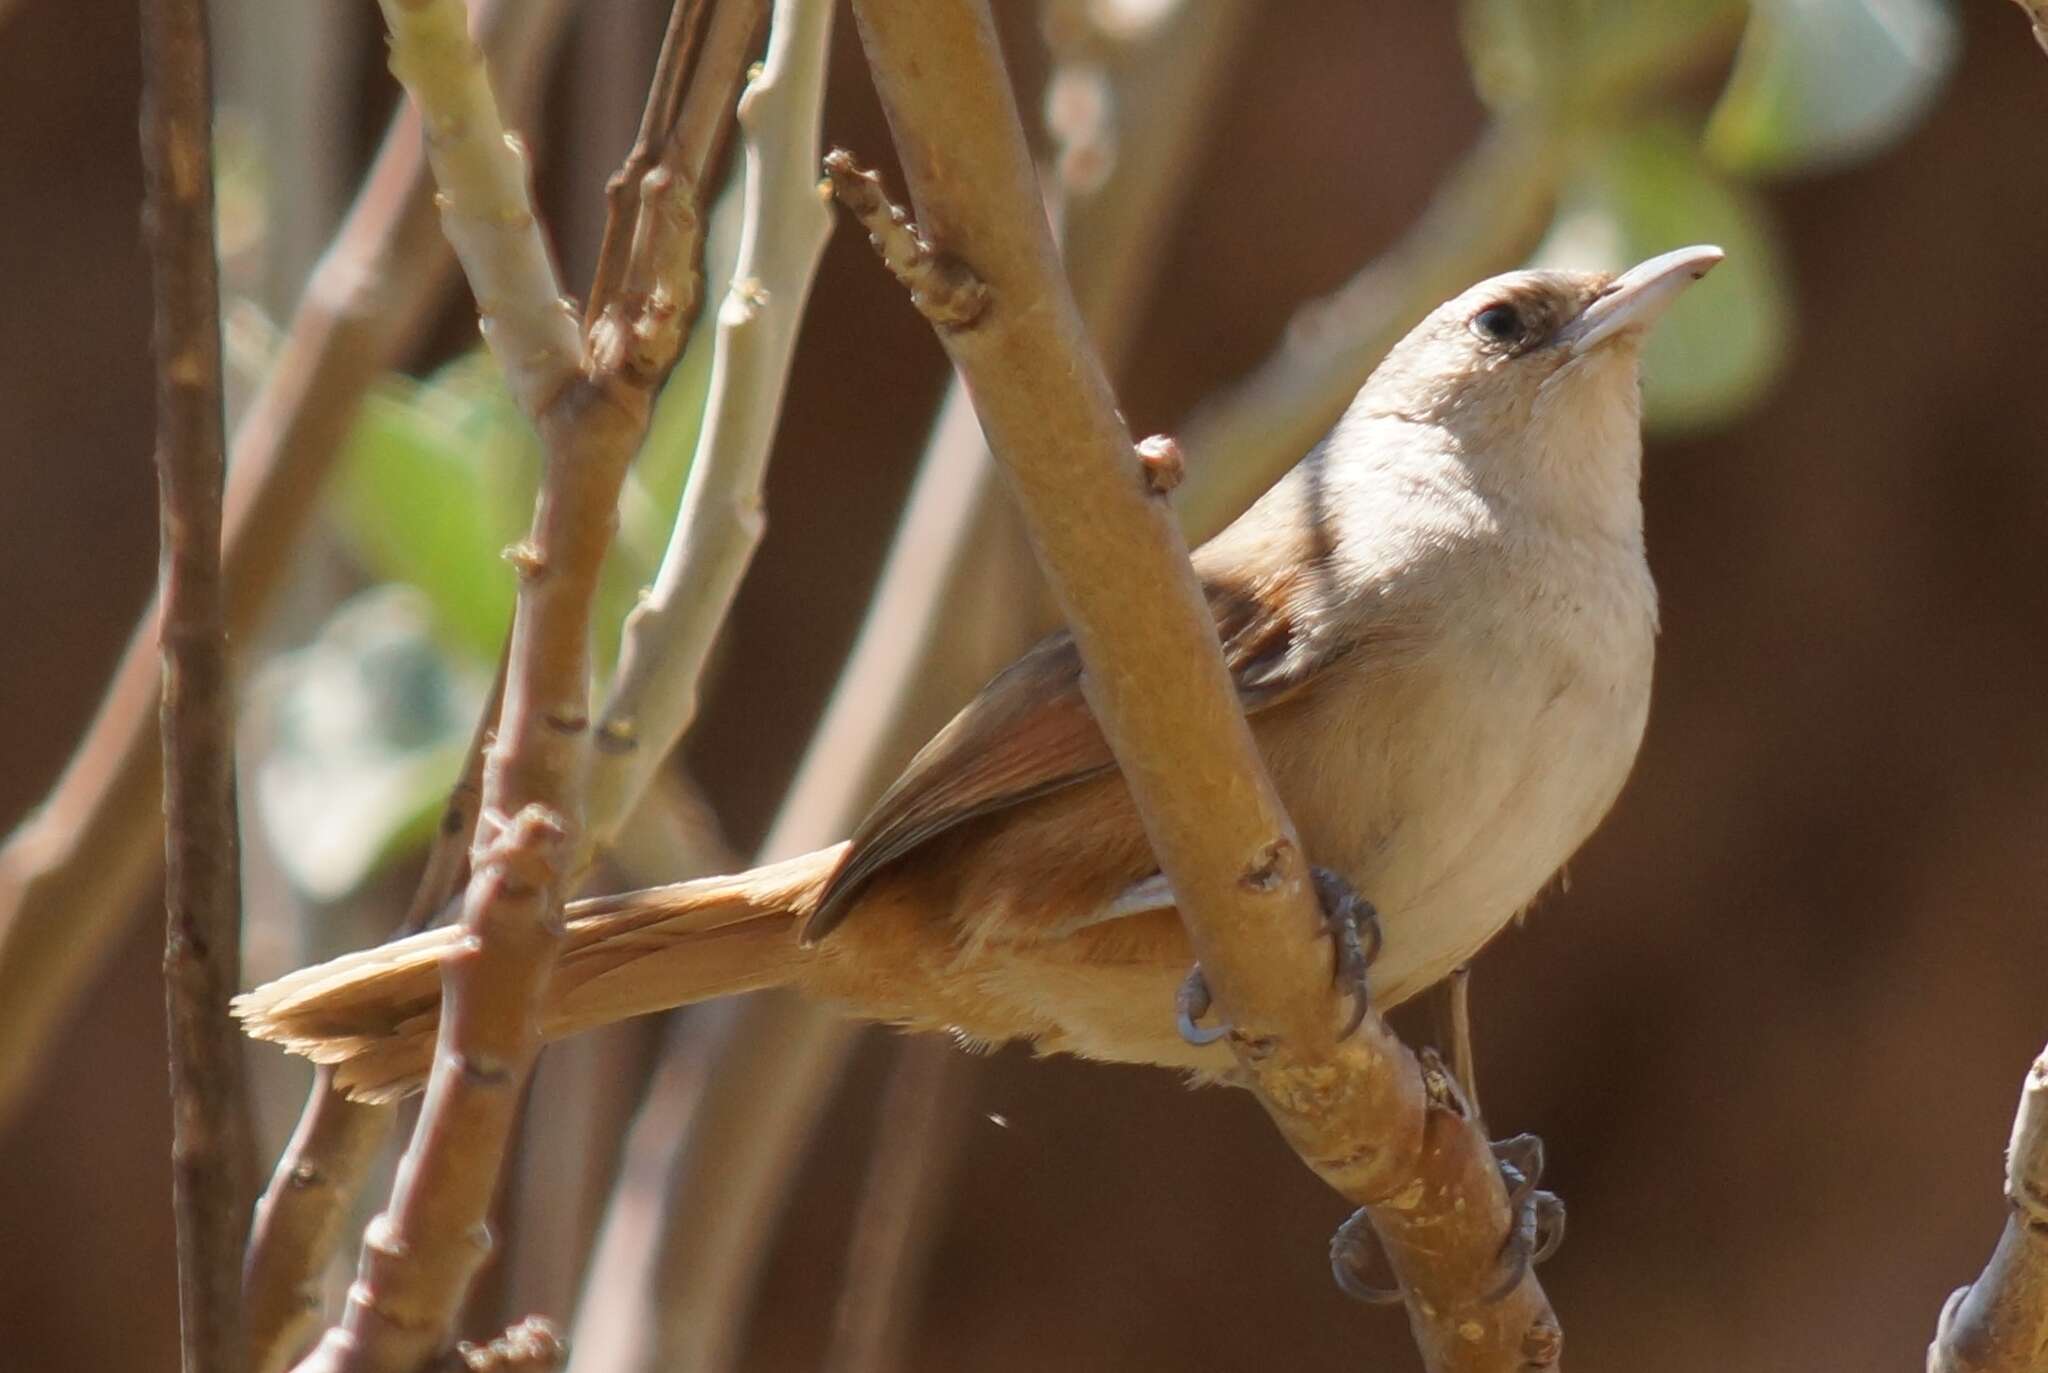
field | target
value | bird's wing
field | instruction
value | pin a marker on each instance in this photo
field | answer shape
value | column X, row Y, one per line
column 1030, row 732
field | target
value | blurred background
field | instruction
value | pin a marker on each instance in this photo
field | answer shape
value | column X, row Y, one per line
column 1772, row 1028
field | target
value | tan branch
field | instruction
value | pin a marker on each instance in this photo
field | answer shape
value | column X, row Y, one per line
column 532, row 1346
column 71, row 874
column 1357, row 1110
column 2037, row 11
column 422, row 1252
column 1999, row 1323
column 300, row 1218
column 957, row 598
column 211, row 1151
column 657, row 117
column 910, row 1170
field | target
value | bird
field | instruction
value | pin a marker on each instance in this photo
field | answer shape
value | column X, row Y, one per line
column 1441, row 625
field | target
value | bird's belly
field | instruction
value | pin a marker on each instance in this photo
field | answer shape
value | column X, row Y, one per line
column 1453, row 805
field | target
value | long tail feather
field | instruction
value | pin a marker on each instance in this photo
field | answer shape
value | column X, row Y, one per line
column 373, row 1014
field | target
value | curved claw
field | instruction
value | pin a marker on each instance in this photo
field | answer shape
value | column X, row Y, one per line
column 1539, row 1216
column 1352, row 1248
column 1190, row 1004
column 1354, row 929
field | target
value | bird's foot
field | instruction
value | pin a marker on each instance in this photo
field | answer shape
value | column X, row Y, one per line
column 1354, row 929
column 1353, row 1250
column 1536, row 1230
column 1190, row 1004
column 1534, row 1234
column 1355, row 936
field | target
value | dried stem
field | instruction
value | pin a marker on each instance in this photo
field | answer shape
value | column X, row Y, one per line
column 669, row 636
column 1484, row 219
column 71, row 874
column 1356, row 1110
column 923, row 1117
column 421, row 1253
column 300, row 1218
column 210, row 1141
column 622, row 192
column 1999, row 1323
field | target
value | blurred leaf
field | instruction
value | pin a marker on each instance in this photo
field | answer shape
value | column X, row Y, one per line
column 1586, row 54
column 422, row 498
column 1642, row 192
column 1826, row 81
column 368, row 725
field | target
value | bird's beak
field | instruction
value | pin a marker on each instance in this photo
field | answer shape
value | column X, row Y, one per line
column 1635, row 299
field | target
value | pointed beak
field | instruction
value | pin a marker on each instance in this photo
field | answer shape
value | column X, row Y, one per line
column 1634, row 300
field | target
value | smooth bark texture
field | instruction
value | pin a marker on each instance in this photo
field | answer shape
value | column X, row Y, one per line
column 1359, row 1110
column 1999, row 1323
column 210, row 1139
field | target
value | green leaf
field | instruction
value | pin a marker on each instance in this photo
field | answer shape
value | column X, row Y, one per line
column 1586, row 55
column 1642, row 192
column 419, row 499
column 366, row 728
column 1822, row 82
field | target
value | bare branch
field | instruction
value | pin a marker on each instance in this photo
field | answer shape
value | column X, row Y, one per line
column 423, row 1251
column 72, row 873
column 669, row 636
column 1999, row 1323
column 480, row 170
column 210, row 1140
column 917, row 1138
column 1357, row 1110
column 957, row 598
column 622, row 192
column 300, row 1218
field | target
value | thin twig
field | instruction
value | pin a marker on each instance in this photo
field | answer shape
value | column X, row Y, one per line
column 421, row 1253
column 486, row 212
column 1999, row 1323
column 210, row 1140
column 72, row 873
column 923, row 1118
column 300, row 1218
column 1357, row 1110
column 668, row 637
column 622, row 192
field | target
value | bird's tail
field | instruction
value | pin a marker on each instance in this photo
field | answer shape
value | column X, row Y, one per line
column 373, row 1014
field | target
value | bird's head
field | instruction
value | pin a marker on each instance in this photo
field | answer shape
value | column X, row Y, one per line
column 1535, row 368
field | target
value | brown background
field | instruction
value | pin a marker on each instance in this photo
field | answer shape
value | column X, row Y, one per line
column 1774, row 1031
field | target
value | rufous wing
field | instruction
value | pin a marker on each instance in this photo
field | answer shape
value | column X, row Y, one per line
column 1030, row 732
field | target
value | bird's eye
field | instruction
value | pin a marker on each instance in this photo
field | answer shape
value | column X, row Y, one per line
column 1498, row 324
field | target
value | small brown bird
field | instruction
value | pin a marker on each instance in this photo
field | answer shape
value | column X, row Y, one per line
column 1441, row 628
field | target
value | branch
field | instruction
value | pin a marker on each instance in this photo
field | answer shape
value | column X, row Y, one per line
column 480, row 168
column 422, row 1252
column 2037, row 11
column 210, row 1141
column 955, row 601
column 1999, row 1323
column 670, row 634
column 1357, row 1110
column 916, row 1150
column 1484, row 219
column 71, row 874
column 300, row 1217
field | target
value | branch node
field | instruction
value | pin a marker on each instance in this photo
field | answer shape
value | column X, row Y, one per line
column 944, row 289
column 1164, row 464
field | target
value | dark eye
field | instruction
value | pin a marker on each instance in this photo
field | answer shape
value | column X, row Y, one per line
column 1498, row 324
